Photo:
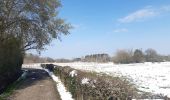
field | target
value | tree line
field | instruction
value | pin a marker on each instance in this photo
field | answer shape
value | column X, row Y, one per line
column 124, row 57
column 139, row 56
column 97, row 58
column 120, row 57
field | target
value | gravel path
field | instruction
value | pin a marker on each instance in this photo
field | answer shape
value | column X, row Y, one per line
column 37, row 86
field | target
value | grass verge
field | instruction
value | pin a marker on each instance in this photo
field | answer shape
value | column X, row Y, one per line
column 9, row 90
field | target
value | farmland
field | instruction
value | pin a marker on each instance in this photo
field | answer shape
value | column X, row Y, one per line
column 148, row 77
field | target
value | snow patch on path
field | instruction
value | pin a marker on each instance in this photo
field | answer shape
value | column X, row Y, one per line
column 64, row 94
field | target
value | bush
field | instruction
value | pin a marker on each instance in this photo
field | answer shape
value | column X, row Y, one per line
column 11, row 59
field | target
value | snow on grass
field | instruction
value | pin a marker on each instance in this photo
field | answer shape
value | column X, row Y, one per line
column 60, row 87
column 148, row 77
column 73, row 73
column 85, row 81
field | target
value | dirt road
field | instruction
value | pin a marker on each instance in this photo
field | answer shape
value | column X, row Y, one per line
column 37, row 86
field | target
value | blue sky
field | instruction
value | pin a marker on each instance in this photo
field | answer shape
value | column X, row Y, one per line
column 104, row 26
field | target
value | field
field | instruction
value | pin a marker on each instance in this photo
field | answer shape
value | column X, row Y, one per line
column 147, row 77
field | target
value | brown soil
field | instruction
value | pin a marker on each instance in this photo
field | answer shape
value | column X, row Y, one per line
column 37, row 86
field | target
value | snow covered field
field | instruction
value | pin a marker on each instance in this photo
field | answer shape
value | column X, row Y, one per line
column 32, row 66
column 149, row 77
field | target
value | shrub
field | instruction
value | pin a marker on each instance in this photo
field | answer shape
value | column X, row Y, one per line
column 11, row 59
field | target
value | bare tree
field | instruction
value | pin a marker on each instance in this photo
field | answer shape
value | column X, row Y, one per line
column 123, row 56
column 152, row 56
column 138, row 56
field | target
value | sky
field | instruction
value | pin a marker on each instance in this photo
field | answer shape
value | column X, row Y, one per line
column 105, row 26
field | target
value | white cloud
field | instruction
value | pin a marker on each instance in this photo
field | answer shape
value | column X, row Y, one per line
column 120, row 30
column 165, row 8
column 145, row 13
column 78, row 27
column 139, row 15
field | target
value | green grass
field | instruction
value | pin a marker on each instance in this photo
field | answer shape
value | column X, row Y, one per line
column 9, row 90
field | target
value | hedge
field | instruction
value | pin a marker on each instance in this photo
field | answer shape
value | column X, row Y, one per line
column 93, row 86
column 11, row 59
